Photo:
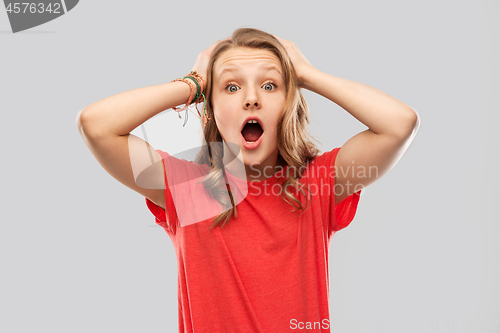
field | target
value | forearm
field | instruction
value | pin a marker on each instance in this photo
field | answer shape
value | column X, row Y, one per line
column 382, row 113
column 121, row 113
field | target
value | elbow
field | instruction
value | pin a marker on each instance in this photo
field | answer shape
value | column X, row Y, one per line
column 84, row 122
column 411, row 124
column 414, row 122
column 81, row 119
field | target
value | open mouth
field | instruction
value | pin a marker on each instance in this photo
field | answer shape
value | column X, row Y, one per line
column 252, row 131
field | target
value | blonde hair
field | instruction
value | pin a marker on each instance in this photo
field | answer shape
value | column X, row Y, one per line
column 294, row 147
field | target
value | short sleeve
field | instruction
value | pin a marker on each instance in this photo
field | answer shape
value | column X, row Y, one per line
column 335, row 217
column 167, row 218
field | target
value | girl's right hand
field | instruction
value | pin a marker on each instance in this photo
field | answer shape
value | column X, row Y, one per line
column 201, row 65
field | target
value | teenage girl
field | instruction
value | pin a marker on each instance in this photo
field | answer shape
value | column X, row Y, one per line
column 253, row 260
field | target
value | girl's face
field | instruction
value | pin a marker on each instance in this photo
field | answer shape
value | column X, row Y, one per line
column 248, row 83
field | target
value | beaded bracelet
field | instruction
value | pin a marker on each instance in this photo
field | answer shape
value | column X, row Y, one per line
column 192, row 89
column 199, row 78
column 192, row 79
column 198, row 92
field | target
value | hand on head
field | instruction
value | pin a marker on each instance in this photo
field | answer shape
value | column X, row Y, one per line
column 299, row 61
column 201, row 64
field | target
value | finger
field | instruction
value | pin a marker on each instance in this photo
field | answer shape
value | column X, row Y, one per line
column 217, row 42
column 282, row 41
column 278, row 38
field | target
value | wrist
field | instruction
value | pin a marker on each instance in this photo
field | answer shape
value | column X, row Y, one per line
column 199, row 81
column 308, row 76
column 184, row 89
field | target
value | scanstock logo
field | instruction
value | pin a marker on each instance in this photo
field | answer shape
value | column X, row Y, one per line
column 26, row 15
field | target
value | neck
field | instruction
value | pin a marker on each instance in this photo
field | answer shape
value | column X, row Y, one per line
column 255, row 172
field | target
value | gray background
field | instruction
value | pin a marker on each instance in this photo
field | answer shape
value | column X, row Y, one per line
column 80, row 251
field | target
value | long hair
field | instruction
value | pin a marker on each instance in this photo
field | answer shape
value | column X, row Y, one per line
column 294, row 146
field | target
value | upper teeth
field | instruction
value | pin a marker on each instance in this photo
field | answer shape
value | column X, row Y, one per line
column 252, row 122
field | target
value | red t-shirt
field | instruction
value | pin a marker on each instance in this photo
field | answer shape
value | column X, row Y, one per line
column 264, row 271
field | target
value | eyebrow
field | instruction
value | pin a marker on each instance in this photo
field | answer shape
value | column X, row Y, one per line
column 234, row 69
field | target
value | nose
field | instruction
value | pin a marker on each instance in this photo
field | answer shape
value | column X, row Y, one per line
column 252, row 99
column 255, row 103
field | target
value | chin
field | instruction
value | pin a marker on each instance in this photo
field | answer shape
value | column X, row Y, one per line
column 249, row 161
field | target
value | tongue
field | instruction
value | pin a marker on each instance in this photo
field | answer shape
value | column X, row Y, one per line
column 252, row 132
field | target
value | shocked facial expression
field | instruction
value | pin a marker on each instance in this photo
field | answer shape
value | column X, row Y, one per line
column 248, row 98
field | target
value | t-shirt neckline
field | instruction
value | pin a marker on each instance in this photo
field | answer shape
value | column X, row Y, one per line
column 268, row 180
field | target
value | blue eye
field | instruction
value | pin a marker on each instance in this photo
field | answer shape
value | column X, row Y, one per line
column 268, row 86
column 230, row 85
column 271, row 84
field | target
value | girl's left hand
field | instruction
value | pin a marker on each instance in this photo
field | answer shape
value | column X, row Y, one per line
column 300, row 63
